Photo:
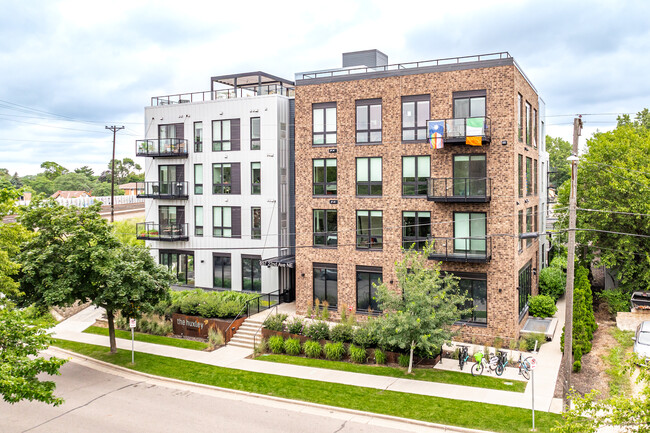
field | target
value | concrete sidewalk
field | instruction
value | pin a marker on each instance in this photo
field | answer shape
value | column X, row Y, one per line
column 548, row 361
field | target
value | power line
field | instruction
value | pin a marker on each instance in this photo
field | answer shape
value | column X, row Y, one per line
column 614, row 212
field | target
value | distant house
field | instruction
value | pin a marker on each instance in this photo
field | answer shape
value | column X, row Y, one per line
column 129, row 188
column 70, row 194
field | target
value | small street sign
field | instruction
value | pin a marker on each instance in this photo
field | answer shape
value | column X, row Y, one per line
column 533, row 363
column 132, row 323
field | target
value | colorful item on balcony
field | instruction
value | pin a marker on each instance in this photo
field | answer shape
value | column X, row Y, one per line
column 474, row 131
column 436, row 133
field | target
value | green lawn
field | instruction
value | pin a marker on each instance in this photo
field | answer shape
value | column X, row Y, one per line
column 432, row 409
column 148, row 338
column 425, row 374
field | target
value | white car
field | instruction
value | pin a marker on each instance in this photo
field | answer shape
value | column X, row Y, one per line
column 642, row 340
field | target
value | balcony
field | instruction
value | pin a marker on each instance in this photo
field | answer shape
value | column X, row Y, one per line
column 462, row 131
column 162, row 148
column 163, row 190
column 162, row 232
column 460, row 190
column 466, row 250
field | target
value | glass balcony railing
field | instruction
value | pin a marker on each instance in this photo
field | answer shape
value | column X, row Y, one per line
column 161, row 232
column 163, row 190
column 213, row 95
column 460, row 189
column 477, row 249
column 162, row 147
column 476, row 130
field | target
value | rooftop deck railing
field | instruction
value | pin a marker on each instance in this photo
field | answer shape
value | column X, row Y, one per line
column 212, row 95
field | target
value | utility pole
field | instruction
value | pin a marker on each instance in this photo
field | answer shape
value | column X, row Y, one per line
column 114, row 129
column 568, row 323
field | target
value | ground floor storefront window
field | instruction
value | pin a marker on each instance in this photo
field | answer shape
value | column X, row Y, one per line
column 181, row 263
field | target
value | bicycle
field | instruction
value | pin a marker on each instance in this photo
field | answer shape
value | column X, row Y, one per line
column 462, row 356
column 501, row 364
column 524, row 366
column 481, row 362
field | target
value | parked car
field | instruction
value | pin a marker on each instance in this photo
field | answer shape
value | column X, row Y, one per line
column 642, row 340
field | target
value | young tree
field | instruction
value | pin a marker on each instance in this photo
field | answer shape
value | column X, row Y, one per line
column 558, row 152
column 420, row 315
column 76, row 256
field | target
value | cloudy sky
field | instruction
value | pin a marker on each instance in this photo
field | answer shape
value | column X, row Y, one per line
column 68, row 68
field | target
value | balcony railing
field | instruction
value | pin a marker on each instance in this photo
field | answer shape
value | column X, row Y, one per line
column 460, row 189
column 469, row 250
column 457, row 130
column 212, row 95
column 162, row 147
column 163, row 190
column 162, row 232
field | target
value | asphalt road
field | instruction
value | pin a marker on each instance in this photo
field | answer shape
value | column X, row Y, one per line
column 100, row 401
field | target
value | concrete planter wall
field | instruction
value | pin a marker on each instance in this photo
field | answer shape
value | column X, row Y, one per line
column 197, row 326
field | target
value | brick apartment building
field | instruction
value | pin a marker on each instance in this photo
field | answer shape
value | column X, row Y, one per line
column 368, row 181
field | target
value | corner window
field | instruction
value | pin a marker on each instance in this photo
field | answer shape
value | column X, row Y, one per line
column 256, row 178
column 324, row 123
column 474, row 287
column 222, row 272
column 198, row 136
column 251, row 273
column 415, row 113
column 256, row 223
column 370, row 230
column 221, row 222
column 469, row 232
column 416, row 229
column 325, row 227
column 369, row 176
column 367, row 280
column 368, row 121
column 198, row 220
column 255, row 133
column 325, row 283
column 324, row 176
column 416, row 171
column 198, row 179
column 221, row 135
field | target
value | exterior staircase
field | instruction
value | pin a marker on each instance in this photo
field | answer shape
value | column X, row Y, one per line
column 244, row 335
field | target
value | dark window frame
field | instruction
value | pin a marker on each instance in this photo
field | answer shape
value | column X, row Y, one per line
column 256, row 232
column 529, row 225
column 419, row 188
column 535, row 191
column 361, row 272
column 469, row 188
column 418, row 239
column 529, row 121
column 198, row 140
column 474, row 277
column 520, row 115
column 198, row 187
column 198, row 229
column 325, row 185
column 469, row 95
column 178, row 253
column 222, row 265
column 369, row 184
column 256, row 187
column 520, row 217
column 520, row 174
column 220, row 143
column 222, row 227
column 222, row 187
column 529, row 176
column 368, row 103
column 326, row 234
column 255, row 265
column 524, row 288
column 324, row 106
column 471, row 216
column 256, row 142
column 415, row 99
column 325, row 267
column 368, row 240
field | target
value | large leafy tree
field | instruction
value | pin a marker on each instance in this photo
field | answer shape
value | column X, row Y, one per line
column 614, row 196
column 73, row 182
column 53, row 170
column 76, row 256
column 420, row 316
column 558, row 152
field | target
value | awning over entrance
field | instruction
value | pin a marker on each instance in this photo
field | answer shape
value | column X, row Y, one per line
column 280, row 261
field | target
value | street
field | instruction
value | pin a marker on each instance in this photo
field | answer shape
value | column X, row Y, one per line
column 98, row 401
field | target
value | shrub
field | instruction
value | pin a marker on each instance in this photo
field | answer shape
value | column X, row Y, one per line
column 275, row 322
column 292, row 346
column 341, row 332
column 215, row 338
column 207, row 304
column 334, row 351
column 559, row 262
column 318, row 331
column 295, row 326
column 366, row 335
column 577, row 366
column 523, row 345
column 552, row 282
column 380, row 356
column 325, row 312
column 541, row 306
column 533, row 338
column 312, row 349
column 616, row 299
column 358, row 355
column 403, row 360
column 497, row 343
column 261, row 347
column 276, row 344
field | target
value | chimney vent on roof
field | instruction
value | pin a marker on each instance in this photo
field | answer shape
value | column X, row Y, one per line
column 368, row 58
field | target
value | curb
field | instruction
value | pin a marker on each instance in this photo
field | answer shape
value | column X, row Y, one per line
column 53, row 350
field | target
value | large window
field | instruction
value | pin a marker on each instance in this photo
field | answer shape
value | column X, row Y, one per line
column 198, row 220
column 251, row 273
column 469, row 107
column 221, row 135
column 168, row 132
column 529, row 225
column 221, row 178
column 198, row 179
column 367, row 278
column 369, row 121
column 221, row 222
column 370, row 231
column 324, row 180
column 529, row 176
column 469, row 232
column 325, row 227
column 170, row 217
column 255, row 133
column 181, row 264
column 474, row 287
column 416, row 171
column 520, row 174
column 470, row 175
column 416, row 229
column 415, row 113
column 369, row 176
column 525, row 284
column 325, row 283
column 256, row 178
column 198, row 136
column 529, row 124
column 520, row 223
column 222, row 272
column 520, row 110
column 256, row 223
column 324, row 123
